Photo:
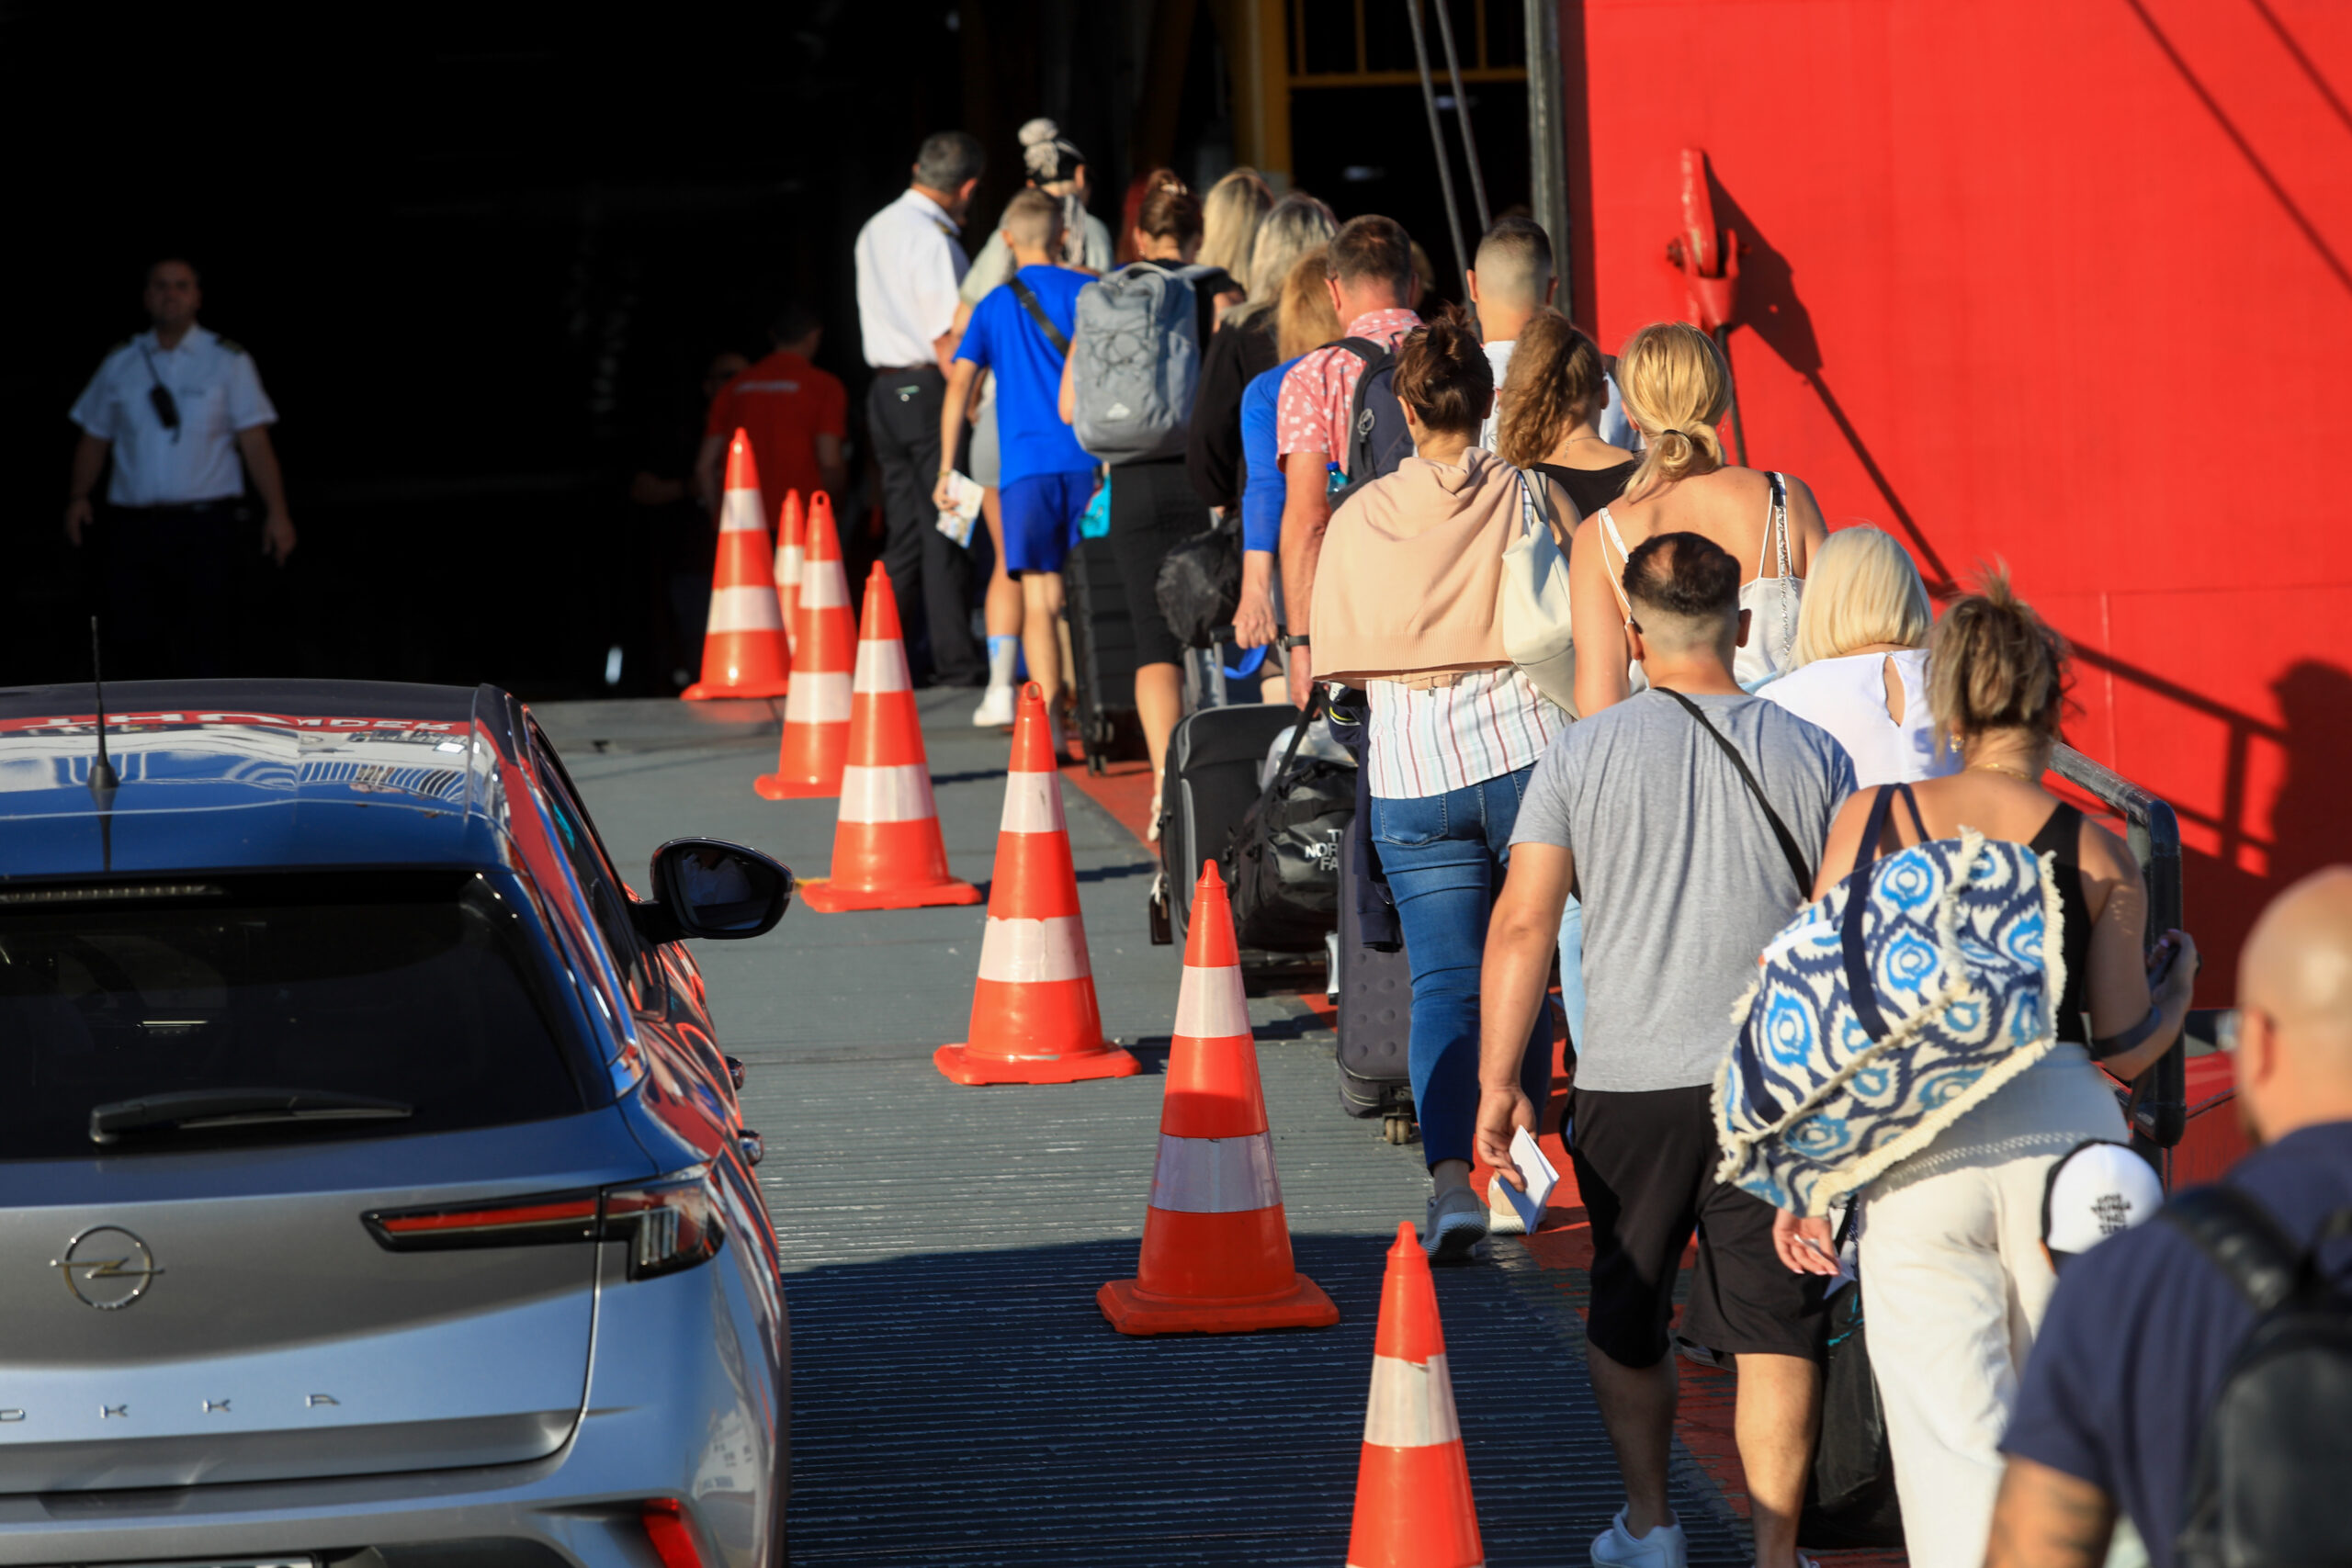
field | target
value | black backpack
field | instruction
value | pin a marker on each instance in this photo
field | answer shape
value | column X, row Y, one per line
column 1284, row 865
column 1378, row 439
column 2277, row 1448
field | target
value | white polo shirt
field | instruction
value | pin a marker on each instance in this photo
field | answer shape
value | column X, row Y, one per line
column 909, row 266
column 218, row 393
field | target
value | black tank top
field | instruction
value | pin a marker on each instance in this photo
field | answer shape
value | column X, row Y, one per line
column 2058, row 839
column 1590, row 488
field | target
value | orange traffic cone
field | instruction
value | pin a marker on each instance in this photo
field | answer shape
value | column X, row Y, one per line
column 1035, row 1019
column 791, row 543
column 887, row 854
column 743, row 648
column 816, row 714
column 1413, row 1507
column 1215, row 1245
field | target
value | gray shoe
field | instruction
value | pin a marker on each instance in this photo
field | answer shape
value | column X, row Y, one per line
column 1457, row 1223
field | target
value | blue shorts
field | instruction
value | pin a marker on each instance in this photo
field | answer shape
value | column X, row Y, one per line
column 1041, row 515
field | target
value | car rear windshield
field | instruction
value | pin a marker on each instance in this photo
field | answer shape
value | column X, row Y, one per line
column 409, row 987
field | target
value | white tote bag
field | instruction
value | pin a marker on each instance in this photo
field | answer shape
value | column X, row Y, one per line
column 1532, row 605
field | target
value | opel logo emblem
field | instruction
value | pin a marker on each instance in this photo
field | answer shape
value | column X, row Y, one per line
column 106, row 1266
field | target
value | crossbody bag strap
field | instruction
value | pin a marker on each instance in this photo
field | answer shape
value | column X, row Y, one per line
column 1036, row 309
column 1788, row 842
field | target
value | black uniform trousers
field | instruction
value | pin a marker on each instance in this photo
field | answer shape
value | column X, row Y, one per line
column 931, row 574
column 171, row 597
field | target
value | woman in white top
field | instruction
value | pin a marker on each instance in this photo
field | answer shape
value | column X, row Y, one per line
column 1676, row 389
column 1859, row 668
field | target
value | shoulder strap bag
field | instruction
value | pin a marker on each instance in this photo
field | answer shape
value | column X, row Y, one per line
column 1797, row 867
column 1036, row 309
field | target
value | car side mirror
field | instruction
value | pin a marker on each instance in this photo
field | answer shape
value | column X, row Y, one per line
column 718, row 891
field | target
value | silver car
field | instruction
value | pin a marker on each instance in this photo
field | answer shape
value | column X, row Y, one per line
column 372, row 1188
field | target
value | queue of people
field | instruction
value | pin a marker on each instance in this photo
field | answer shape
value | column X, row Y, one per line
column 1761, row 713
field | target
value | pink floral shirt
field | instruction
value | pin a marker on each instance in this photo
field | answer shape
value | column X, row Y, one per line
column 1319, row 393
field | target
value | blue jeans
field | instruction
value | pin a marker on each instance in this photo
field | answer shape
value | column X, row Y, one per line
column 1444, row 856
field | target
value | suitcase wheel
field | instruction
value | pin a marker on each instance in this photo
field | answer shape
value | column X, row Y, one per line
column 1397, row 1127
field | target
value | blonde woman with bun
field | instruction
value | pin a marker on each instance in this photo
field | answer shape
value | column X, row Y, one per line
column 1676, row 389
column 1860, row 661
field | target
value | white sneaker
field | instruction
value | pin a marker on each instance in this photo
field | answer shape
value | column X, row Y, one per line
column 1457, row 1223
column 996, row 709
column 1502, row 1219
column 1662, row 1547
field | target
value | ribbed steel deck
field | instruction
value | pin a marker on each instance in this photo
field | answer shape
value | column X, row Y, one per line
column 958, row 1400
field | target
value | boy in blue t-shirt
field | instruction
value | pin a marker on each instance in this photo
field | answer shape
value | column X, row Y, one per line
column 1047, row 477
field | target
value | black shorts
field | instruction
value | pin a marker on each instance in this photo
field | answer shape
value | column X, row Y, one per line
column 1153, row 509
column 1645, row 1166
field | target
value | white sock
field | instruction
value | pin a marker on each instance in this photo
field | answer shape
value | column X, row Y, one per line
column 1004, row 658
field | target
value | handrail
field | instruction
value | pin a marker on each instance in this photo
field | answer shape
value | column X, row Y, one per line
column 2158, row 1105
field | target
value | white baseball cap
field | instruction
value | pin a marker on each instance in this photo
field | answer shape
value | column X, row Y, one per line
column 2098, row 1190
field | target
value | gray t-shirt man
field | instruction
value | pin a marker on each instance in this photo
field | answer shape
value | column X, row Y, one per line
column 1682, row 880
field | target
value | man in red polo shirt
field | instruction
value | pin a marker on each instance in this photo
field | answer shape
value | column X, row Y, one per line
column 793, row 412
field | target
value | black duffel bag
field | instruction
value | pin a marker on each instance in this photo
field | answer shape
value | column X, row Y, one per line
column 1199, row 583
column 1283, row 866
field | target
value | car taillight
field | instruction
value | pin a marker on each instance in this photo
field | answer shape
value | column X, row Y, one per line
column 673, row 1536
column 669, row 1224
column 510, row 1222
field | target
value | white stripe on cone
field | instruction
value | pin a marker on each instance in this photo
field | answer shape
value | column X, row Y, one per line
column 1211, row 1004
column 882, row 667
column 1411, row 1405
column 738, row 513
column 753, row 609
column 887, row 795
column 1032, row 804
column 1020, row 952
column 788, row 574
column 817, row 696
column 1216, row 1176
column 824, row 587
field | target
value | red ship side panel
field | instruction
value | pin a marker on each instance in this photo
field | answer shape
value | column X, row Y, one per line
column 2065, row 285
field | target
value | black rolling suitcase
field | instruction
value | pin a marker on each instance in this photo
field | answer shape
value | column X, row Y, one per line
column 1102, row 655
column 1374, row 1000
column 1211, row 783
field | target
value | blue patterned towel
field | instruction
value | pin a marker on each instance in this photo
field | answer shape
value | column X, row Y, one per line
column 1903, row 996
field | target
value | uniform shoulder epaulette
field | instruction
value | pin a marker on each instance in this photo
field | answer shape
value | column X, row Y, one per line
column 230, row 345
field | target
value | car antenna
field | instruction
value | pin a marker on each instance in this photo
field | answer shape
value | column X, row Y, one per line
column 103, row 780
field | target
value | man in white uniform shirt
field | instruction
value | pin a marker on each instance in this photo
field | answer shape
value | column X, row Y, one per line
column 909, row 267
column 175, row 407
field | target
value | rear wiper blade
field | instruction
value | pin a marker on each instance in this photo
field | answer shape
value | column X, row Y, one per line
column 199, row 1109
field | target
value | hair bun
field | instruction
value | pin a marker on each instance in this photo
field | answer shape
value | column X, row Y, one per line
column 1039, row 131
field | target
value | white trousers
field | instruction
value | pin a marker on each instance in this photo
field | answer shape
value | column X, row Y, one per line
column 1954, row 1284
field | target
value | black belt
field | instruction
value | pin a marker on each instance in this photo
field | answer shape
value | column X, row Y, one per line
column 182, row 508
column 904, row 370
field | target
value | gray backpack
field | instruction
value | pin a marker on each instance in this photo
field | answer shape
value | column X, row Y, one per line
column 1136, row 362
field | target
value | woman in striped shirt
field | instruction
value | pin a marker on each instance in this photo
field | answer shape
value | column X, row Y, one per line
column 1405, row 607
